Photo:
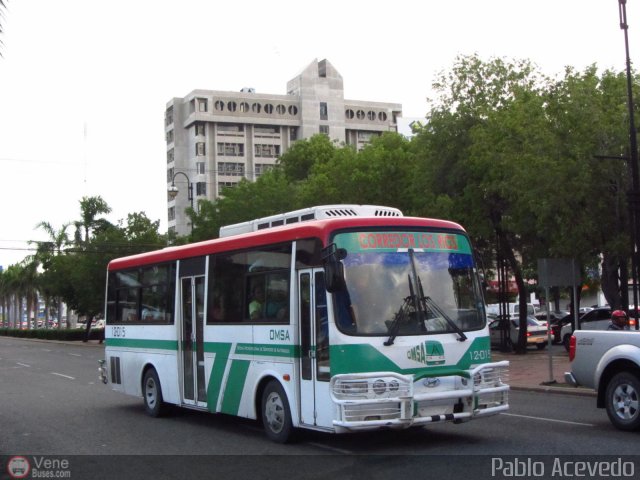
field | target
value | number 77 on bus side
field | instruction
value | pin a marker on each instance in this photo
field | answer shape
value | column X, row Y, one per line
column 339, row 318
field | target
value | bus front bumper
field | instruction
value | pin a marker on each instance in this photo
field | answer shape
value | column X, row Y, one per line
column 386, row 399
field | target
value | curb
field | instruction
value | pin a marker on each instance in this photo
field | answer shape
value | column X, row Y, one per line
column 577, row 391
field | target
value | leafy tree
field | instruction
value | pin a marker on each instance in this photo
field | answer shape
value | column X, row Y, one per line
column 472, row 148
column 300, row 159
column 379, row 174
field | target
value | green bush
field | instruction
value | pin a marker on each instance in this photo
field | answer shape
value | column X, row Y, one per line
column 76, row 334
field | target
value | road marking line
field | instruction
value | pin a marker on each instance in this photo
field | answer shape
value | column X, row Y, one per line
column 548, row 419
column 62, row 375
column 22, row 364
column 75, row 354
column 331, row 449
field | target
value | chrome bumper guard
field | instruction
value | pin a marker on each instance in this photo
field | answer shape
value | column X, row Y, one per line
column 387, row 399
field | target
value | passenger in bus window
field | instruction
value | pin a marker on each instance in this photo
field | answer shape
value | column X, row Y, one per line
column 257, row 303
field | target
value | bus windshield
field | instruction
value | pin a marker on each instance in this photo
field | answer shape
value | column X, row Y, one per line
column 408, row 283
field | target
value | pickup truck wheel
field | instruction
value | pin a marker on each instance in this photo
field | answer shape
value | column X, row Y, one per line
column 623, row 401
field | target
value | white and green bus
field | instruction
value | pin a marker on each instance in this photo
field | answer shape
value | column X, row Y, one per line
column 335, row 318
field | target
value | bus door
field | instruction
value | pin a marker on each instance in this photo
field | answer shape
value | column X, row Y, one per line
column 192, row 345
column 315, row 402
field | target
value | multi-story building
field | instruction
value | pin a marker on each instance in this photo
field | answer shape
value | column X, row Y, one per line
column 216, row 138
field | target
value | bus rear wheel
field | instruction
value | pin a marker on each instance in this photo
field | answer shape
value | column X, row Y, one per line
column 276, row 414
column 152, row 394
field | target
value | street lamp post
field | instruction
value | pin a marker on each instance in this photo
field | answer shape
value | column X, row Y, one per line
column 633, row 146
column 173, row 190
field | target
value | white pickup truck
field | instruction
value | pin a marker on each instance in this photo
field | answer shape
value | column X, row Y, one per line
column 609, row 362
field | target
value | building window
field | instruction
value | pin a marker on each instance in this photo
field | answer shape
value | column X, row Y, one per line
column 232, row 106
column 170, row 156
column 199, row 129
column 262, row 168
column 244, row 107
column 324, row 129
column 233, row 169
column 172, row 213
column 170, row 172
column 232, row 129
column 266, row 131
column 293, row 110
column 200, row 149
column 201, row 188
column 169, row 136
column 231, row 149
column 268, row 108
column 360, row 115
column 382, row 116
column 281, row 109
column 324, row 112
column 349, row 114
column 268, row 151
column 219, row 105
column 293, row 133
column 202, row 105
column 222, row 185
column 200, row 168
column 371, row 115
column 256, row 108
column 168, row 116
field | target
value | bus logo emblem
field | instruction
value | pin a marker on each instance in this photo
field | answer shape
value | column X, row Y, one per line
column 427, row 353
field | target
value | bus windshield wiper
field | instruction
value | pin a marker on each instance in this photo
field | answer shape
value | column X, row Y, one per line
column 437, row 310
column 428, row 301
column 400, row 317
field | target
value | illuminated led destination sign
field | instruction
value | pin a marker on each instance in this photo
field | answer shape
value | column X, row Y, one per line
column 394, row 241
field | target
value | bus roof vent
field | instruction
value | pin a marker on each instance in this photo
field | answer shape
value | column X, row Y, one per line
column 311, row 213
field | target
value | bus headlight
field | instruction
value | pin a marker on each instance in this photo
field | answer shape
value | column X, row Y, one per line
column 393, row 385
column 379, row 387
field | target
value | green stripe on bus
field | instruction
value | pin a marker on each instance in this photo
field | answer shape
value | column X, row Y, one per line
column 221, row 351
column 140, row 343
column 363, row 358
column 234, row 387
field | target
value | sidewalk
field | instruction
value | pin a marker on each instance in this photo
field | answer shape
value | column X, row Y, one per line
column 531, row 372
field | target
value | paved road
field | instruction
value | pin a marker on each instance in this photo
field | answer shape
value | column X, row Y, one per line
column 52, row 404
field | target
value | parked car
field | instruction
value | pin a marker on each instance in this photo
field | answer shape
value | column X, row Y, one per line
column 557, row 319
column 536, row 333
column 597, row 319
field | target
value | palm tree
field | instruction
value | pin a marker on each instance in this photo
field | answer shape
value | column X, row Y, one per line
column 90, row 208
column 45, row 254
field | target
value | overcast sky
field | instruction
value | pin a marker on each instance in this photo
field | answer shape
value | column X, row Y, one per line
column 84, row 83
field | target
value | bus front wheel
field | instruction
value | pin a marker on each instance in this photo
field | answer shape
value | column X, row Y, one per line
column 152, row 394
column 276, row 415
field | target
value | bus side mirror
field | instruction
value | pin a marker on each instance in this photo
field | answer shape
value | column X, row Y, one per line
column 333, row 268
column 334, row 276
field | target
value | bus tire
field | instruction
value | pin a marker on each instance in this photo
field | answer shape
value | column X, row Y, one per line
column 276, row 414
column 152, row 394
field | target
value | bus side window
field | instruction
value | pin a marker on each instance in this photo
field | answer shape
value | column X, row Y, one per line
column 256, row 300
column 277, row 297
